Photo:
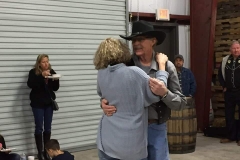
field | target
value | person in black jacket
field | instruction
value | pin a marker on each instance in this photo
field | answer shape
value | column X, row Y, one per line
column 53, row 150
column 41, row 103
column 6, row 155
column 229, row 78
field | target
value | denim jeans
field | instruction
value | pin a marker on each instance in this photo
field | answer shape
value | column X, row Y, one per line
column 11, row 156
column 103, row 156
column 43, row 118
column 157, row 142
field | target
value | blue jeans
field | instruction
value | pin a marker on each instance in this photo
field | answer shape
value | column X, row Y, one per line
column 11, row 156
column 103, row 156
column 157, row 142
column 43, row 117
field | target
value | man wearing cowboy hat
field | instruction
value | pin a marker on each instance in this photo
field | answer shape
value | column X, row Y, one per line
column 144, row 38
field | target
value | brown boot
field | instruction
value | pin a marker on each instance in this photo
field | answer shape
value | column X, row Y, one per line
column 225, row 140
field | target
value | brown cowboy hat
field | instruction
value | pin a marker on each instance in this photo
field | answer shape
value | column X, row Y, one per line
column 143, row 28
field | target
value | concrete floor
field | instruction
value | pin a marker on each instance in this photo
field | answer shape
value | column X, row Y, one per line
column 207, row 149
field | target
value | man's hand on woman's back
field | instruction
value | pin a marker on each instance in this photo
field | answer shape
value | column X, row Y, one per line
column 107, row 109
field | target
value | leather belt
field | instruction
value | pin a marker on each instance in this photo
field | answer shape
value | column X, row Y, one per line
column 151, row 121
column 234, row 89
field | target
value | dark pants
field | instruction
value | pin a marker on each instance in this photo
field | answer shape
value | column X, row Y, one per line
column 43, row 117
column 13, row 156
column 231, row 100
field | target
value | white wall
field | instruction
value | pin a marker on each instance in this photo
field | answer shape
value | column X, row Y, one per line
column 177, row 7
column 184, row 44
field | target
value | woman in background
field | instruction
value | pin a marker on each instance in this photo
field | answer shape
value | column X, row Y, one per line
column 41, row 103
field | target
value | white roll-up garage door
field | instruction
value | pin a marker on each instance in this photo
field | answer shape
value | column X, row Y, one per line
column 69, row 31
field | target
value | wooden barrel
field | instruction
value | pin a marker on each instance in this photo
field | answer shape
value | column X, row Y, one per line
column 182, row 130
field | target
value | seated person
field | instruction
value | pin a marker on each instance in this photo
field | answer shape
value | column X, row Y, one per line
column 53, row 149
column 7, row 155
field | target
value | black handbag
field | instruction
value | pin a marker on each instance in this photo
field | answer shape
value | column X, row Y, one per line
column 54, row 103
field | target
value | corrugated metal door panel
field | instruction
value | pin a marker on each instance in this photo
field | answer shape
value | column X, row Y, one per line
column 58, row 25
column 59, row 19
column 8, row 11
column 69, row 31
column 60, row 95
column 80, row 4
column 67, row 122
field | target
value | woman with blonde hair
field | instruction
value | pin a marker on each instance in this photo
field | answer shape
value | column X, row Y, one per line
column 41, row 103
column 124, row 134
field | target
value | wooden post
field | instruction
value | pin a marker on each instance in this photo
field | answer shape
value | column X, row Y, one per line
column 202, row 31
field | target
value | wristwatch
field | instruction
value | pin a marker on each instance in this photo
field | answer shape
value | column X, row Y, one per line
column 164, row 96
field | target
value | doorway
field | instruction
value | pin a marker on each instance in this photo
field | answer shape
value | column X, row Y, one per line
column 170, row 44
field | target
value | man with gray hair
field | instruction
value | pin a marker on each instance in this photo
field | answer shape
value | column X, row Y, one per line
column 229, row 78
